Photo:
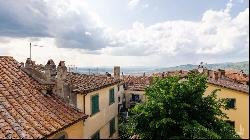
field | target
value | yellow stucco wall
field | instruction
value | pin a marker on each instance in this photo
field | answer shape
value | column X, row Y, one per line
column 75, row 131
column 241, row 113
column 99, row 121
column 128, row 95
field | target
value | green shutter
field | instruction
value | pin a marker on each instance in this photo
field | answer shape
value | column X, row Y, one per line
column 231, row 103
column 112, row 127
column 111, row 96
column 95, row 104
column 96, row 135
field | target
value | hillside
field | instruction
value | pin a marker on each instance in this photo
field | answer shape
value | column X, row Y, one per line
column 227, row 66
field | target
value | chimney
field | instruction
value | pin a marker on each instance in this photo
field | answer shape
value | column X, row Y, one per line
column 211, row 74
column 50, row 70
column 117, row 72
column 61, row 71
column 216, row 75
column 221, row 73
column 22, row 64
column 60, row 88
column 28, row 63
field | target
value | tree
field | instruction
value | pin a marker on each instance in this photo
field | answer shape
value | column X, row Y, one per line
column 177, row 108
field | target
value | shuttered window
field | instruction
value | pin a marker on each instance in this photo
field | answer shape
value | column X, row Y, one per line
column 232, row 123
column 112, row 127
column 95, row 104
column 231, row 103
column 111, row 96
column 96, row 136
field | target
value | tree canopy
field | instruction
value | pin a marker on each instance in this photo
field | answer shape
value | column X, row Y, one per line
column 177, row 108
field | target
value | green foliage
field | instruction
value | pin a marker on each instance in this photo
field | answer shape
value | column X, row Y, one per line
column 177, row 108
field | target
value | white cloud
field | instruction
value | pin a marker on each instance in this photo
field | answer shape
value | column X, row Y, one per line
column 66, row 21
column 217, row 36
column 73, row 33
column 145, row 5
column 133, row 3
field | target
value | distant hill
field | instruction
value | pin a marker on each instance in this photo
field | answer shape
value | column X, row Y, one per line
column 149, row 70
column 227, row 66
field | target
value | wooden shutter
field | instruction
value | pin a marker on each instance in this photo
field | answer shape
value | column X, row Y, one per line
column 111, row 96
column 96, row 135
column 112, row 127
column 95, row 104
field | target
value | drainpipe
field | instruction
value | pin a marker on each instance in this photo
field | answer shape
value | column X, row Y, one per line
column 84, row 103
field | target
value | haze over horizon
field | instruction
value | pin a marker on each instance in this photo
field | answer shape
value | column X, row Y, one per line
column 126, row 33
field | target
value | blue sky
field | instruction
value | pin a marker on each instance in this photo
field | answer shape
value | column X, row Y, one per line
column 117, row 13
column 126, row 32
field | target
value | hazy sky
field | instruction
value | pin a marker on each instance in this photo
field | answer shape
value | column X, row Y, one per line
column 126, row 32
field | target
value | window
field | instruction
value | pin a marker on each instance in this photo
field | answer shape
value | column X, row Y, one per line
column 61, row 135
column 135, row 97
column 111, row 96
column 112, row 127
column 96, row 135
column 232, row 123
column 231, row 103
column 95, row 104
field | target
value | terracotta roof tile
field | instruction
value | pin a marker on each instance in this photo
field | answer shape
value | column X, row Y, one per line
column 83, row 83
column 237, row 76
column 229, row 84
column 139, row 83
column 24, row 111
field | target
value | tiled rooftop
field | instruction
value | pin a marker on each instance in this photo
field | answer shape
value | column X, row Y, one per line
column 181, row 73
column 237, row 76
column 83, row 83
column 25, row 112
column 138, row 83
column 229, row 84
